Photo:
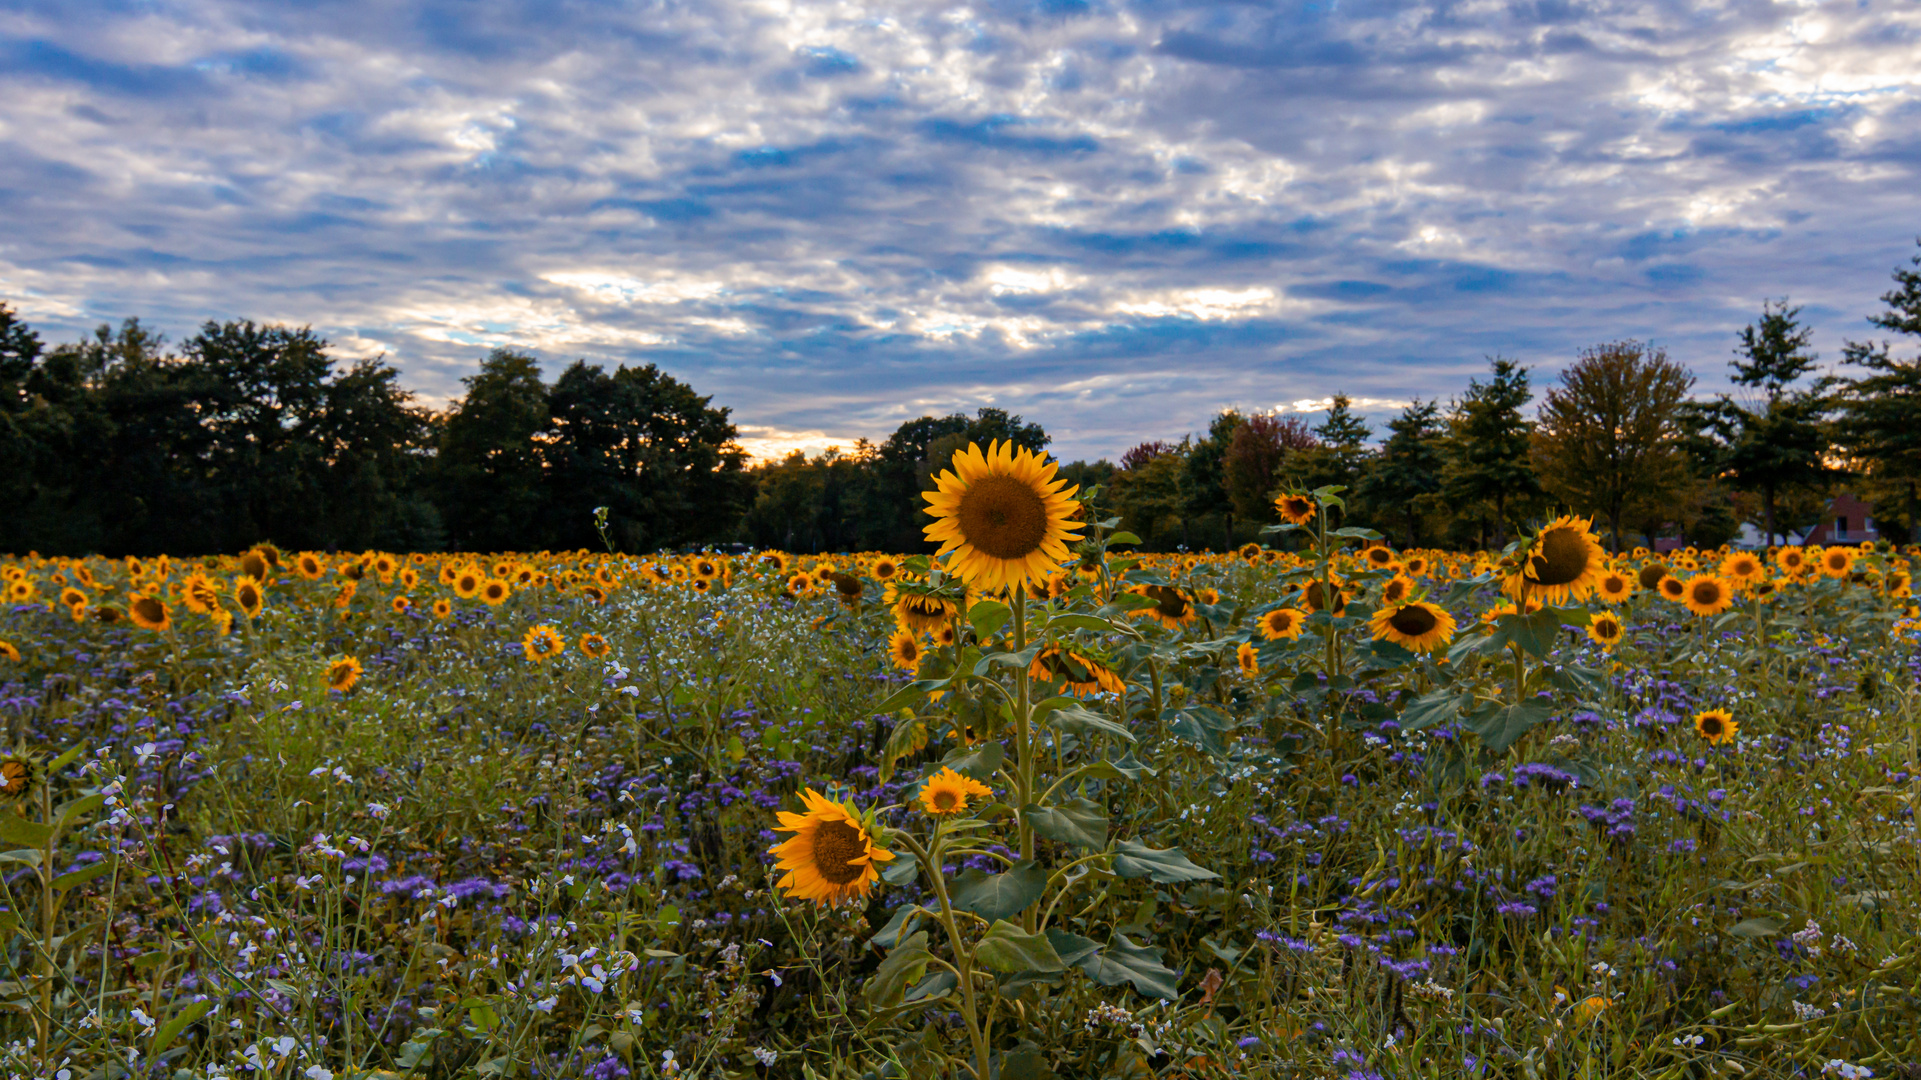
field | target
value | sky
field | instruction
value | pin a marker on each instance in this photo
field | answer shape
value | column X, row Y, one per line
column 1114, row 217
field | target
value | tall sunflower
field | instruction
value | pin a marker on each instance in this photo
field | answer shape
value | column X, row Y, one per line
column 149, row 612
column 1837, row 562
column 1672, row 588
column 1171, row 609
column 1563, row 564
column 1792, row 559
column 1002, row 515
column 1742, row 569
column 1398, row 588
column 946, row 793
column 1283, row 624
column 1248, row 660
column 1419, row 626
column 494, row 592
column 1614, row 586
column 1707, row 594
column 831, row 856
column 1296, row 509
column 247, row 593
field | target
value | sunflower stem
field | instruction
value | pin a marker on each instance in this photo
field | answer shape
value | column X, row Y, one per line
column 1024, row 741
column 930, row 861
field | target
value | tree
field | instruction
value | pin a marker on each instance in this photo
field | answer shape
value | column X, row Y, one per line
column 1774, row 440
column 1879, row 424
column 1256, row 456
column 1608, row 436
column 1405, row 478
column 1203, row 482
column 1147, row 493
column 490, row 470
column 1488, row 445
column 373, row 441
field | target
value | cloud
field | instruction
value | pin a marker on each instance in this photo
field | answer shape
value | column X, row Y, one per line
column 1112, row 216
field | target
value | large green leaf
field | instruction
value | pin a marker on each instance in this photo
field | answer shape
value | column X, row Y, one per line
column 978, row 763
column 1078, row 621
column 1430, row 710
column 908, row 737
column 1205, row 727
column 1134, row 859
column 891, row 935
column 18, row 830
column 1008, row 949
column 1071, row 948
column 903, row 967
column 1000, row 896
column 1123, row 961
column 1080, row 720
column 902, row 869
column 1079, row 822
column 988, row 616
column 1503, row 725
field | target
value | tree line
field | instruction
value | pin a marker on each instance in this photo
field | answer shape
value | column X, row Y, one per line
column 118, row 444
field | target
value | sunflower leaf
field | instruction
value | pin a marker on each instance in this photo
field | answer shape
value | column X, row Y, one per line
column 902, row 869
column 904, row 966
column 1079, row 822
column 1008, row 949
column 905, row 916
column 1123, row 537
column 1430, row 710
column 1000, row 896
column 988, row 616
column 1503, row 725
column 1077, row 621
column 1123, row 961
column 19, row 830
column 1134, row 859
column 1080, row 720
column 978, row 764
column 1072, row 948
column 908, row 737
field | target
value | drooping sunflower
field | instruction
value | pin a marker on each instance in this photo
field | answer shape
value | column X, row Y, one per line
column 1002, row 515
column 1171, row 609
column 903, row 648
column 1614, row 586
column 1837, row 562
column 1742, row 569
column 1650, row 575
column 1296, row 509
column 1312, row 600
column 1717, row 726
column 1563, row 564
column 946, row 793
column 542, row 643
column 1606, row 629
column 19, row 778
column 343, row 673
column 494, row 592
column 255, row 564
column 1398, row 588
column 247, row 593
column 1419, row 626
column 149, row 612
column 831, row 856
column 1283, row 624
column 594, row 646
column 1707, row 594
column 1248, row 660
column 945, row 636
column 1672, row 587
column 1077, row 672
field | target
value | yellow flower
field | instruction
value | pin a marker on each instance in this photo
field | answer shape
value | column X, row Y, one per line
column 247, row 593
column 1606, row 629
column 1563, row 564
column 1615, row 586
column 1002, row 516
column 443, row 608
column 1742, row 569
column 19, row 777
column 1398, row 588
column 1837, row 562
column 9, row 652
column 1706, row 594
column 149, row 612
column 946, row 793
column 543, row 643
column 1283, row 623
column 1248, row 659
column 1171, row 609
column 1672, row 588
column 494, row 592
column 1717, row 726
column 467, row 582
column 1295, row 509
column 1079, row 673
column 831, row 855
column 343, row 673
column 594, row 646
column 904, row 649
column 1419, row 626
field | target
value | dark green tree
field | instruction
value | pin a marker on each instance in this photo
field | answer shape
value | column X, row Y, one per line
column 1775, row 438
column 1879, row 423
column 1403, row 483
column 490, row 472
column 1204, row 477
column 1487, row 474
column 373, row 441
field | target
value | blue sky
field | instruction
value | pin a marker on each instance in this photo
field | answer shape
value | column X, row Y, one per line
column 1112, row 217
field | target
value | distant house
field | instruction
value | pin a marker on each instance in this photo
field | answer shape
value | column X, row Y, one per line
column 1849, row 521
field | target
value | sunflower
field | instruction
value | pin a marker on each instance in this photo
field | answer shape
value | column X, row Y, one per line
column 594, row 646
column 149, row 612
column 401, row 605
column 1419, row 626
column 1606, row 629
column 701, row 585
column 904, row 649
column 443, row 608
column 246, row 593
column 1312, row 600
column 385, row 565
column 1002, row 515
column 1563, row 564
column 494, row 592
column 346, row 593
column 1742, row 569
column 945, row 635
column 467, row 582
column 222, row 620
column 1283, row 623
column 801, row 584
column 1717, row 726
column 706, row 569
column 108, row 614
column 774, row 561
column 1707, row 594
column 1249, row 552
column 70, row 596
column 1171, row 609
column 19, row 778
column 1792, row 559
column 409, row 578
column 1671, row 587
column 1207, row 597
column 1295, row 509
column 1615, row 586
column 542, row 643
column 831, row 855
column 1378, row 557
column 1248, row 660
column 847, row 589
column 1398, row 588
column 606, row 578
column 946, row 793
column 255, row 564
column 78, row 611
column 343, row 673
column 885, row 569
column 9, row 652
column 1076, row 671
column 1837, row 562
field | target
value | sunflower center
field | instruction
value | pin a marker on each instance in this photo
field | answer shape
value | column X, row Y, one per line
column 1002, row 517
column 836, row 846
column 946, row 801
column 1314, row 598
column 1169, row 603
column 1413, row 620
column 1280, row 622
column 1707, row 592
column 1607, row 628
column 1560, row 558
column 1711, row 726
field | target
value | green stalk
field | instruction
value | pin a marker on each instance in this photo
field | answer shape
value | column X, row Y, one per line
column 1023, row 741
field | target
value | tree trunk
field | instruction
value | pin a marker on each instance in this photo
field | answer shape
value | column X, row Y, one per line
column 1614, row 528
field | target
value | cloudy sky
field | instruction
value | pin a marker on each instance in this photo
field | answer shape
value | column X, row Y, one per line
column 1112, row 216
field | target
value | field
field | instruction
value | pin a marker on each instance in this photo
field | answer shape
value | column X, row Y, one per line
column 313, row 815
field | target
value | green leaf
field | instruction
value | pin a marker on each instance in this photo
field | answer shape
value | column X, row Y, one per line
column 902, row 869
column 9, row 925
column 1081, row 721
column 906, row 964
column 1205, row 727
column 1123, row 538
column 1077, row 621
column 1071, row 948
column 1503, row 725
column 81, row 876
column 891, row 935
column 1008, row 949
column 1079, row 822
column 911, row 694
column 1356, row 533
column 978, row 763
column 18, row 830
column 988, row 616
column 908, row 737
column 1431, row 710
column 934, row 985
column 176, row 1024
column 1000, row 896
column 736, row 749
column 71, row 755
column 1024, row 1062
column 1574, row 616
column 1123, row 961
column 30, row 856
column 1757, row 928
column 1009, row 659
column 1134, row 859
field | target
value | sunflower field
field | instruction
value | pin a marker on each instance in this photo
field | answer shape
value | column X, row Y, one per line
column 1028, row 806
